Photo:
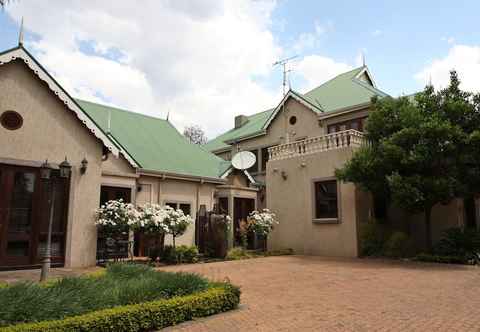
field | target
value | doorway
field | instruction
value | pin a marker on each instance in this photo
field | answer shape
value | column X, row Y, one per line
column 242, row 207
column 24, row 217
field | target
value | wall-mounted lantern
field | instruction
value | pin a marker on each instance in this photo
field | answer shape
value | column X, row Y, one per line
column 46, row 171
column 83, row 167
column 65, row 169
column 284, row 175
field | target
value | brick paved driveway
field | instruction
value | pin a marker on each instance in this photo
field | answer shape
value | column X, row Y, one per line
column 298, row 293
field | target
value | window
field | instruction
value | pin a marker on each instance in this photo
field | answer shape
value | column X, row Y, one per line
column 254, row 168
column 356, row 124
column 11, row 120
column 185, row 207
column 293, row 120
column 326, row 199
column 264, row 158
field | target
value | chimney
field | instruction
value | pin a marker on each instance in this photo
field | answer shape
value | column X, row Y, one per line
column 240, row 120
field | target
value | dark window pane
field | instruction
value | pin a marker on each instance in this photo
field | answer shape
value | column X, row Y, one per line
column 355, row 125
column 223, row 205
column 185, row 208
column 17, row 248
column 254, row 168
column 332, row 129
column 172, row 205
column 326, row 199
column 21, row 204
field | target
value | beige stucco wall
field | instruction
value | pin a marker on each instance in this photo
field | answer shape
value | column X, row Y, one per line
column 51, row 131
column 159, row 191
column 292, row 201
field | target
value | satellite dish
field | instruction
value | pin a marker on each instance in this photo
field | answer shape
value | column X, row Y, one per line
column 244, row 160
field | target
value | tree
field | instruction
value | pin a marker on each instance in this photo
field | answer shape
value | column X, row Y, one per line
column 421, row 151
column 176, row 222
column 195, row 134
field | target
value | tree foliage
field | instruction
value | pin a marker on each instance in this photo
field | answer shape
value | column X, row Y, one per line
column 421, row 150
column 195, row 134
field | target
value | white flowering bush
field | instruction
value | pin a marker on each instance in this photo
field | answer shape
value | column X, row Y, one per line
column 116, row 217
column 176, row 222
column 152, row 219
column 262, row 222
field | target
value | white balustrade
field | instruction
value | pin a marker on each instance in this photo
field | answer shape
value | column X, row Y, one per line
column 338, row 140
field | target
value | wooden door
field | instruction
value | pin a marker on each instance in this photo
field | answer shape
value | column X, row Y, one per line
column 18, row 214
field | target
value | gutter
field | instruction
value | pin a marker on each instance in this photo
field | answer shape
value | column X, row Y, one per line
column 344, row 110
column 179, row 176
column 242, row 138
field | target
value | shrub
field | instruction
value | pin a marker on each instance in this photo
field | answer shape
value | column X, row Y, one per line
column 237, row 253
column 398, row 245
column 279, row 252
column 423, row 257
column 122, row 284
column 372, row 239
column 154, row 253
column 459, row 242
column 186, row 254
column 144, row 316
column 180, row 254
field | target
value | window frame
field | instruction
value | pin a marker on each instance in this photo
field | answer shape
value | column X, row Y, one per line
column 327, row 220
column 335, row 127
column 167, row 202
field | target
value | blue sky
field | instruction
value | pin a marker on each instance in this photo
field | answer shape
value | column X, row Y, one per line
column 206, row 61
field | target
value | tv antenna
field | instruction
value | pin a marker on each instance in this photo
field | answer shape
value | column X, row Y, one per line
column 283, row 63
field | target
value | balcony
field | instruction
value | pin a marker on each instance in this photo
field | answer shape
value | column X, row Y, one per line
column 339, row 140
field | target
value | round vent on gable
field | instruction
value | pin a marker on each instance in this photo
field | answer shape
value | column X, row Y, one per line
column 11, row 120
column 293, row 120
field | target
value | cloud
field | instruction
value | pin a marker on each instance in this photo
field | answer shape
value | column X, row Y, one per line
column 202, row 60
column 449, row 40
column 310, row 40
column 464, row 59
column 317, row 69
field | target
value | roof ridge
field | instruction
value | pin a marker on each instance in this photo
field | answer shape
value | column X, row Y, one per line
column 335, row 77
column 368, row 86
column 121, row 109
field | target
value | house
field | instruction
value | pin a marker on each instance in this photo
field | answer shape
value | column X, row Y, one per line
column 114, row 153
column 298, row 145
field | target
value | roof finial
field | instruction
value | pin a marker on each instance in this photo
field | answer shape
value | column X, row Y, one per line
column 430, row 80
column 363, row 58
column 20, row 34
column 168, row 115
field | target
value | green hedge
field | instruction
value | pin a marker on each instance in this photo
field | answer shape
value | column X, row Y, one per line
column 143, row 316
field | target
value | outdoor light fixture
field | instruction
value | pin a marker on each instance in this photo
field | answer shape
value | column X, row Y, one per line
column 65, row 169
column 46, row 176
column 45, row 171
column 83, row 168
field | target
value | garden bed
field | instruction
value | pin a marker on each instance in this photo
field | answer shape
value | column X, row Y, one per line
column 126, row 297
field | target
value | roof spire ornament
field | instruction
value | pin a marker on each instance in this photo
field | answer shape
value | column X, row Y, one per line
column 20, row 34
column 168, row 115
column 363, row 59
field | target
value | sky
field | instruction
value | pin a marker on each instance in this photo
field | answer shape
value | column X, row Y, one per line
column 205, row 61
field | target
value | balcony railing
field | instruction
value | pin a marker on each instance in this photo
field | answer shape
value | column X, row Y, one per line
column 341, row 139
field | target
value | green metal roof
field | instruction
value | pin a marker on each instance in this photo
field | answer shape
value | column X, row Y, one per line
column 252, row 127
column 342, row 91
column 154, row 143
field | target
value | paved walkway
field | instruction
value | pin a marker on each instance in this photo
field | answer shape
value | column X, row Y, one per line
column 298, row 293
